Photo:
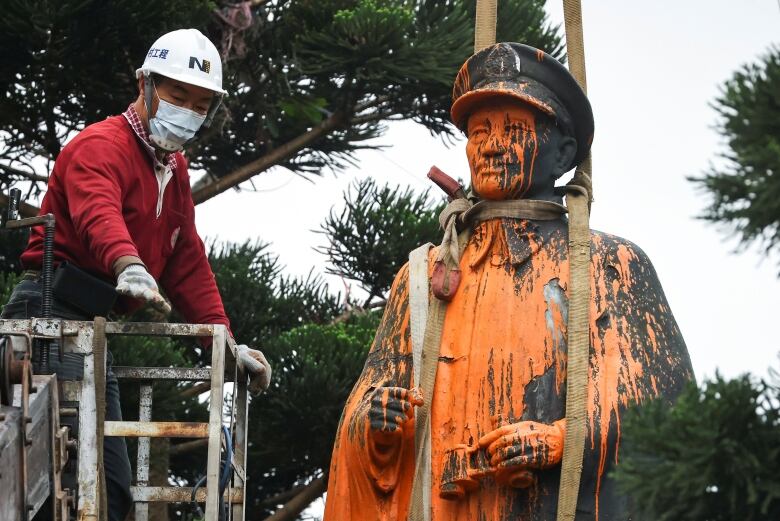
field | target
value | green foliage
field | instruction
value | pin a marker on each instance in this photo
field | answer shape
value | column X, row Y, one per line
column 712, row 456
column 356, row 63
column 364, row 62
column 745, row 191
column 7, row 283
column 167, row 404
column 315, row 354
column 370, row 239
column 70, row 63
column 316, row 346
column 315, row 367
column 260, row 301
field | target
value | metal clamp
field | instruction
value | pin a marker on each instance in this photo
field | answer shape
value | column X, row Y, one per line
column 48, row 328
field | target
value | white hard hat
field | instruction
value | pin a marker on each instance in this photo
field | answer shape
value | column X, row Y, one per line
column 185, row 55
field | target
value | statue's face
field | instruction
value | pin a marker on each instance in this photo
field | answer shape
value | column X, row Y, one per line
column 514, row 151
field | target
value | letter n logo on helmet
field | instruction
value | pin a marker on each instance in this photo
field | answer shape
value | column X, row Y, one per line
column 204, row 65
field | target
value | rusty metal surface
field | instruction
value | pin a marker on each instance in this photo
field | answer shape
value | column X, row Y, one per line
column 241, row 400
column 99, row 355
column 231, row 350
column 80, row 343
column 216, row 404
column 144, row 415
column 6, row 371
column 22, row 399
column 70, row 391
column 238, row 469
column 159, row 329
column 157, row 429
column 72, row 328
column 16, row 369
column 42, row 408
column 63, row 498
column 11, row 450
column 36, row 327
column 62, row 446
column 69, row 411
column 29, row 221
column 15, row 326
column 21, row 341
column 142, row 462
column 87, row 507
column 177, row 495
column 54, row 328
column 77, row 337
column 46, row 327
column 189, row 374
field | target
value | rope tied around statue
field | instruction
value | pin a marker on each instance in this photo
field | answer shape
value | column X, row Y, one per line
column 462, row 213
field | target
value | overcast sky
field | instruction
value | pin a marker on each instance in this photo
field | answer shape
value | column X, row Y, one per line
column 653, row 70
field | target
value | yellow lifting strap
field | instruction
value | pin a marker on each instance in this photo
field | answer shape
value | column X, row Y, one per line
column 485, row 24
column 578, row 200
column 579, row 195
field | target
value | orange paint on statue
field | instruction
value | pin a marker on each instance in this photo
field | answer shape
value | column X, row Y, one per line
column 462, row 82
column 492, row 361
column 614, row 372
column 504, row 338
column 486, row 363
column 502, row 150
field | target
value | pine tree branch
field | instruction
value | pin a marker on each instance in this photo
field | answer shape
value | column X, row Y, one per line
column 31, row 176
column 357, row 310
column 369, row 118
column 274, row 157
column 360, row 107
column 291, row 509
column 283, row 497
column 195, row 390
column 178, row 449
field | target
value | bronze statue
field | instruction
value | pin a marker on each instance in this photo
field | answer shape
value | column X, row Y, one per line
column 497, row 410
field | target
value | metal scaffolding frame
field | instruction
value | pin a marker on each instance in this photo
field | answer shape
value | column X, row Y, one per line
column 79, row 337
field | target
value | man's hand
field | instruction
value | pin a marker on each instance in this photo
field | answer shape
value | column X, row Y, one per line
column 390, row 410
column 254, row 362
column 135, row 281
column 525, row 445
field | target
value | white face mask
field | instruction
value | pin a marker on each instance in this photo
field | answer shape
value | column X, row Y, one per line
column 172, row 126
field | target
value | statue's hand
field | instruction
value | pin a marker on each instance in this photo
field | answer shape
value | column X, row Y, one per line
column 525, row 445
column 391, row 409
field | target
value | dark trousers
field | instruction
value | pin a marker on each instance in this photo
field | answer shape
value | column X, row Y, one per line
column 25, row 302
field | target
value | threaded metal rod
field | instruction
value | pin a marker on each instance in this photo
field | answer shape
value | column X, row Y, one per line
column 47, row 270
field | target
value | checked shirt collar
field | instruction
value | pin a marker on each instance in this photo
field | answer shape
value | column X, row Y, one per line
column 132, row 117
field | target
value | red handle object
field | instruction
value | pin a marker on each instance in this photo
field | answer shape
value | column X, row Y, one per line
column 450, row 186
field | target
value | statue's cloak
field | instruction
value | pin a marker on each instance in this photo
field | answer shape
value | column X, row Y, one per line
column 503, row 360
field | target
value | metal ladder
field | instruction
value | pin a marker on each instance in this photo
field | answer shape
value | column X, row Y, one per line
column 80, row 337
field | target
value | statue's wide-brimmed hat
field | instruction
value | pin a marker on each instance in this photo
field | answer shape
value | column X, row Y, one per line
column 530, row 76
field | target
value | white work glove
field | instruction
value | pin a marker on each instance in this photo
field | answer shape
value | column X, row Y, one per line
column 253, row 362
column 135, row 281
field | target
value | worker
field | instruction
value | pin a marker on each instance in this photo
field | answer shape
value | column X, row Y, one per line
column 497, row 408
column 120, row 193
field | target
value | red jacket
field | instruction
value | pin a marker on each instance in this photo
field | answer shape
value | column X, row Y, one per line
column 103, row 193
